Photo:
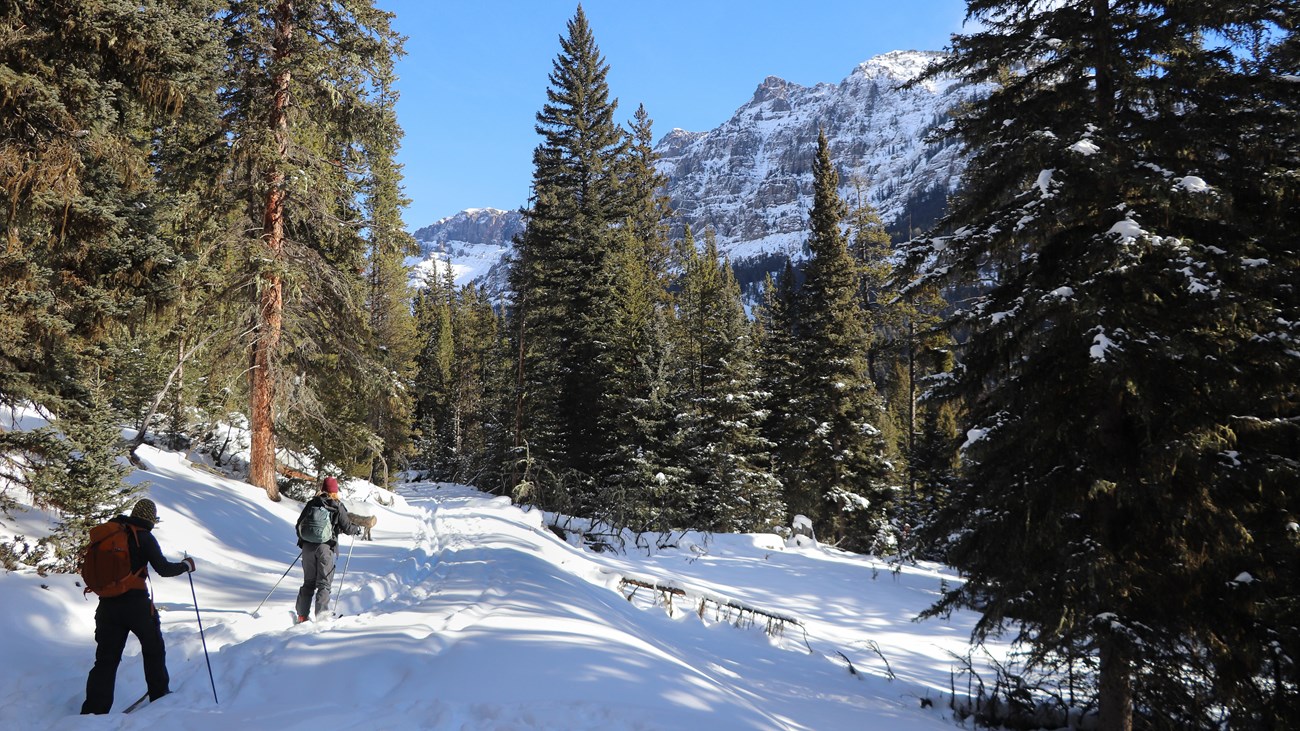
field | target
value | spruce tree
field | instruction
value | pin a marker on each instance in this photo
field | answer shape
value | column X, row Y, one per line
column 86, row 251
column 842, row 451
column 1130, row 409
column 776, row 332
column 565, row 266
column 636, row 404
column 388, row 301
column 870, row 247
column 644, row 191
column 435, row 382
column 85, row 484
column 728, row 485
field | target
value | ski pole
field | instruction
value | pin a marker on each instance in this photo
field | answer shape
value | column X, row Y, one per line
column 203, row 638
column 277, row 583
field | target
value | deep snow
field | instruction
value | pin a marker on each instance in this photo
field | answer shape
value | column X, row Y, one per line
column 465, row 612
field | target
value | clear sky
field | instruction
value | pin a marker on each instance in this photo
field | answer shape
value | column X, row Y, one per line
column 475, row 73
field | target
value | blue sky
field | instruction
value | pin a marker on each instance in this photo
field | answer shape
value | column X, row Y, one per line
column 475, row 73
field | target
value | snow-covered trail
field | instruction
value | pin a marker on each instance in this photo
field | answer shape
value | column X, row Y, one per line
column 466, row 613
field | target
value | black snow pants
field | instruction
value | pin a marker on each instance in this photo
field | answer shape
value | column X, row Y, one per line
column 317, row 575
column 132, row 613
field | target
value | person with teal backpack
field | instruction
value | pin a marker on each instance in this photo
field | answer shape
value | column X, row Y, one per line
column 321, row 522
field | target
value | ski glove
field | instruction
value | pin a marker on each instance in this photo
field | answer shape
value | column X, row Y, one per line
column 189, row 561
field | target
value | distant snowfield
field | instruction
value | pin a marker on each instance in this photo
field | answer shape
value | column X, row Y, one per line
column 465, row 612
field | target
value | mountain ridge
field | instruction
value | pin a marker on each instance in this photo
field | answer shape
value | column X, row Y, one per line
column 750, row 178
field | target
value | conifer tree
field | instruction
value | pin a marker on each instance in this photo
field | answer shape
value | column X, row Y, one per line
column 842, row 452
column 636, row 404
column 459, row 385
column 388, row 301
column 644, row 191
column 869, row 245
column 435, row 382
column 564, row 268
column 85, row 250
column 85, row 486
column 728, row 485
column 308, row 105
column 1122, row 212
column 776, row 331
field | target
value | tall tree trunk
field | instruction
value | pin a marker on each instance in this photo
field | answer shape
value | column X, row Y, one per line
column 1102, row 54
column 270, row 306
column 1116, row 691
column 519, row 395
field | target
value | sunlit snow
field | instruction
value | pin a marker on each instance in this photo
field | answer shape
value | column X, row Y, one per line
column 465, row 612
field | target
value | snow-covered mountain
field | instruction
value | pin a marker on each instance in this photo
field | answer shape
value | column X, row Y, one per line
column 473, row 241
column 751, row 177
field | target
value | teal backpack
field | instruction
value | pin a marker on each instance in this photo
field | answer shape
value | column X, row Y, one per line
column 317, row 525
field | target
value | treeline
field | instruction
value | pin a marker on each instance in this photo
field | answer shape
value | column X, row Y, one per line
column 201, row 227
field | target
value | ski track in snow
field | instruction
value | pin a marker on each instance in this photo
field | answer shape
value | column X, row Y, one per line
column 465, row 612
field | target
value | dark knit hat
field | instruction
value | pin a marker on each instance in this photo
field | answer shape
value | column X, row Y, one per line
column 331, row 486
column 145, row 510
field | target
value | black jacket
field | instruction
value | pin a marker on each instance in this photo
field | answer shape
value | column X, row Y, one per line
column 145, row 552
column 341, row 522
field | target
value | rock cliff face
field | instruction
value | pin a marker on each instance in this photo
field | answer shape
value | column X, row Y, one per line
column 474, row 243
column 751, row 177
column 476, row 226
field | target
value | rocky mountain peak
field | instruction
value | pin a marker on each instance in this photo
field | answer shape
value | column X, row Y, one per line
column 750, row 178
column 899, row 66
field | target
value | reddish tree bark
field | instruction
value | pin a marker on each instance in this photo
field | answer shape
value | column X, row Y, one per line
column 270, row 290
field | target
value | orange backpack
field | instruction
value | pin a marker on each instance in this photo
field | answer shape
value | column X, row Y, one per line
column 106, row 564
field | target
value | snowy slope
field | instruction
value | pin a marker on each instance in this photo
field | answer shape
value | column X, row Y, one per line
column 466, row 613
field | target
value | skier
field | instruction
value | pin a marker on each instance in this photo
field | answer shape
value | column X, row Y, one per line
column 322, row 520
column 132, row 611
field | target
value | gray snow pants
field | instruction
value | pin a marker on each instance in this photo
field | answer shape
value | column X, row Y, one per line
column 318, row 574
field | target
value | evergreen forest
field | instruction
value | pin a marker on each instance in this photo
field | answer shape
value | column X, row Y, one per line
column 1080, row 388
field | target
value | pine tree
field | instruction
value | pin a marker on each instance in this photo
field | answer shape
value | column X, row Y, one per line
column 728, row 485
column 308, row 103
column 1122, row 214
column 843, row 454
column 86, row 251
column 564, row 268
column 776, row 334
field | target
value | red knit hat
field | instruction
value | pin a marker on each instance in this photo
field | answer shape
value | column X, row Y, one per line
column 331, row 486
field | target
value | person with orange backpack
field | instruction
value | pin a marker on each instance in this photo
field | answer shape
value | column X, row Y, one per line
column 116, row 567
